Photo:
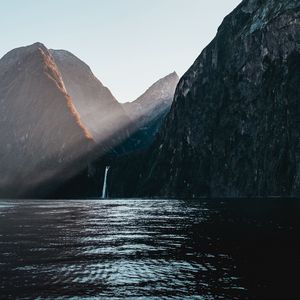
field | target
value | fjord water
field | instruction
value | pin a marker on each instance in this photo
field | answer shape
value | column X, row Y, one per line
column 149, row 249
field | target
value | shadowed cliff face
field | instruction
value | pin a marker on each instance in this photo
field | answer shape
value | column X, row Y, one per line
column 234, row 128
column 42, row 136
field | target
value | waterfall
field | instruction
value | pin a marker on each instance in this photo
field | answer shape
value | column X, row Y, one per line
column 104, row 192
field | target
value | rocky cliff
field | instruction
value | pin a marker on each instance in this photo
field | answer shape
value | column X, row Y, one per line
column 234, row 127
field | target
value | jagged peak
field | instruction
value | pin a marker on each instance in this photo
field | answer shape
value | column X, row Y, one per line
column 26, row 49
column 163, row 81
column 16, row 55
column 166, row 81
column 37, row 59
column 37, row 45
column 173, row 74
column 160, row 91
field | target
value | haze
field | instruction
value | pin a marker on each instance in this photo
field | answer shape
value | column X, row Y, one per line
column 128, row 44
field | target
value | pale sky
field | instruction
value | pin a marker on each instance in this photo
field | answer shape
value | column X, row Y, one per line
column 129, row 44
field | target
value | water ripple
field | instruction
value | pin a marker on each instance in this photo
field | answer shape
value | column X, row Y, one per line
column 133, row 249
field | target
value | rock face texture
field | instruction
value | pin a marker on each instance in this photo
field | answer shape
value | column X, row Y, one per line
column 42, row 136
column 234, row 127
column 149, row 110
column 100, row 112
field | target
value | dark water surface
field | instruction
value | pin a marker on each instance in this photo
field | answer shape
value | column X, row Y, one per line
column 150, row 249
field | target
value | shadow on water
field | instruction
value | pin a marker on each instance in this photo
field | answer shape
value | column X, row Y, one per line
column 151, row 249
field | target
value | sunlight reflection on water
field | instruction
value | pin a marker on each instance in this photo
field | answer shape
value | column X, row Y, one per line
column 134, row 249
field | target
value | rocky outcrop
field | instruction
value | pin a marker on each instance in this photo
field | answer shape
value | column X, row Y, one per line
column 234, row 129
column 43, row 139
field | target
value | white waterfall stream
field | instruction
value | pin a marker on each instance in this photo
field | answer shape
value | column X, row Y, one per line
column 104, row 189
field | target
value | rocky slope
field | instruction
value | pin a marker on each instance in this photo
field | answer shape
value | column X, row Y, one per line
column 100, row 112
column 43, row 139
column 148, row 111
column 156, row 99
column 234, row 128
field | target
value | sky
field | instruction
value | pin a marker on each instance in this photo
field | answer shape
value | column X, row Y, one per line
column 129, row 44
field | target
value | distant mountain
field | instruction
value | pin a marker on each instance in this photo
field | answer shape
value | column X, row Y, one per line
column 157, row 98
column 100, row 112
column 149, row 110
column 233, row 129
column 43, row 138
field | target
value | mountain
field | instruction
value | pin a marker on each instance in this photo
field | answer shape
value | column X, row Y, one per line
column 155, row 100
column 149, row 110
column 146, row 116
column 233, row 129
column 100, row 112
column 43, row 139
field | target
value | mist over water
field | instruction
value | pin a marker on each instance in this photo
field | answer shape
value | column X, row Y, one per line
column 148, row 249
